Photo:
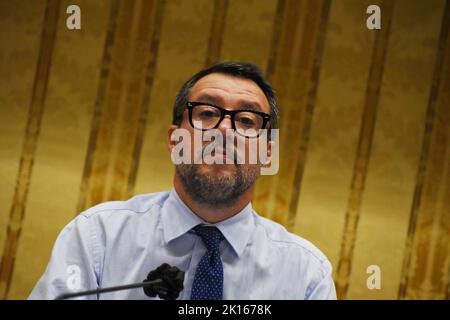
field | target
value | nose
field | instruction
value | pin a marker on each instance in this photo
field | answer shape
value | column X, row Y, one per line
column 225, row 123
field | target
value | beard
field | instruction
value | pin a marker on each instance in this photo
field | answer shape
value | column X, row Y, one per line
column 217, row 190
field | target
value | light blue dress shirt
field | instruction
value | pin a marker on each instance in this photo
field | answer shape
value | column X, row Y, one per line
column 120, row 242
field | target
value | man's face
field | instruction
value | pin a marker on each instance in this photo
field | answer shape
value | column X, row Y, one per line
column 222, row 184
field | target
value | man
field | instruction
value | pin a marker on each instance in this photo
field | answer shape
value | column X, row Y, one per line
column 205, row 225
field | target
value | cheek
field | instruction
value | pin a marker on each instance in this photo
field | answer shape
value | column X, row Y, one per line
column 256, row 150
column 197, row 143
column 183, row 142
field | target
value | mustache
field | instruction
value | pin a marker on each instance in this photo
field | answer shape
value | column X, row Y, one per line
column 232, row 153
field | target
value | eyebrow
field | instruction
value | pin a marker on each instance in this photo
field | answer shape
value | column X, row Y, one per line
column 243, row 104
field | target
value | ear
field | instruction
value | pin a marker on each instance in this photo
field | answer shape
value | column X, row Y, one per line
column 170, row 143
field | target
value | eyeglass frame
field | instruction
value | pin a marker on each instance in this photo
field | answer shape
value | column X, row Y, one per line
column 190, row 105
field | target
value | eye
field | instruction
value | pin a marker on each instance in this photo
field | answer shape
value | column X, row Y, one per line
column 207, row 114
column 247, row 120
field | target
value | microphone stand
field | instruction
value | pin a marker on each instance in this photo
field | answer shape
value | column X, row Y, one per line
column 156, row 284
column 165, row 281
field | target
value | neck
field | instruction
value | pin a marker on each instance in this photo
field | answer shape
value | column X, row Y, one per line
column 213, row 214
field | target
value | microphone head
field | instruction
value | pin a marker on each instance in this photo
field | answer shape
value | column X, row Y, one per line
column 172, row 282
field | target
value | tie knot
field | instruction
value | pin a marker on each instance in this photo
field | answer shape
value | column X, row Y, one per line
column 210, row 235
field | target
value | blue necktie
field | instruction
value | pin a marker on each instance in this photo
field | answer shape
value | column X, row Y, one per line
column 208, row 280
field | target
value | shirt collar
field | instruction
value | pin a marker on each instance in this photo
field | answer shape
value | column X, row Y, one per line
column 178, row 219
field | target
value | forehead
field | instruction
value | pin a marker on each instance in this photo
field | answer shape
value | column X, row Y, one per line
column 228, row 89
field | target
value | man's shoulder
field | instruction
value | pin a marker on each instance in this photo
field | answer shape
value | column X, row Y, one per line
column 138, row 204
column 281, row 237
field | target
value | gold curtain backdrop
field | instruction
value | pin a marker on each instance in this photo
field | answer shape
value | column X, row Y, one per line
column 364, row 138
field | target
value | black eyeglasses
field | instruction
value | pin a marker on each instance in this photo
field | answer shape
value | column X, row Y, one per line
column 206, row 116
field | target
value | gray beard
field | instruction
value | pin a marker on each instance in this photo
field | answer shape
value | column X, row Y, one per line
column 216, row 192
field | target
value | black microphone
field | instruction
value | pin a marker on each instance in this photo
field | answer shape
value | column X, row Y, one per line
column 165, row 281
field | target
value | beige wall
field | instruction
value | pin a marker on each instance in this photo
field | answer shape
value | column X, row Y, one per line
column 364, row 140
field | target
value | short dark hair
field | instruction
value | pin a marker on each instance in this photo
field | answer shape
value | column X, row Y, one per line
column 238, row 69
